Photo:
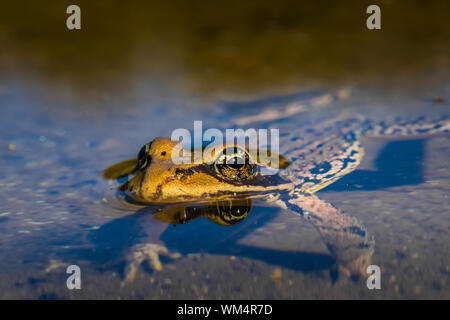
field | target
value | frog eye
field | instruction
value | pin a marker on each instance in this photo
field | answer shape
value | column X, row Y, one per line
column 234, row 164
column 144, row 157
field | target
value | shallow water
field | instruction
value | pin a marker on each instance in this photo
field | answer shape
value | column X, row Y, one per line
column 64, row 121
column 57, row 211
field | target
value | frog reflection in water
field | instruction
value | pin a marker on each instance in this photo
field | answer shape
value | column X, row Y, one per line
column 222, row 212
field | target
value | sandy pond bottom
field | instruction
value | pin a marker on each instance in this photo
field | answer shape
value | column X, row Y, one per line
column 54, row 204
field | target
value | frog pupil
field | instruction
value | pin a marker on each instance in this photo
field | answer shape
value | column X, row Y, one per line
column 236, row 163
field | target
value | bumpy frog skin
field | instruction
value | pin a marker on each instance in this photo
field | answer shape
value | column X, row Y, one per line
column 316, row 157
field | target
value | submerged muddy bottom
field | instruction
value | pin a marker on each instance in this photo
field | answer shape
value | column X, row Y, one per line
column 57, row 211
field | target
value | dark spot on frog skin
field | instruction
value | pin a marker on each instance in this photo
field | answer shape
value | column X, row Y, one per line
column 322, row 168
column 358, row 231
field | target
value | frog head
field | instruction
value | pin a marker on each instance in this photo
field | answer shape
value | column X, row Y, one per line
column 225, row 174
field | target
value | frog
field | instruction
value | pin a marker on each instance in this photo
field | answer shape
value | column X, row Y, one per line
column 312, row 158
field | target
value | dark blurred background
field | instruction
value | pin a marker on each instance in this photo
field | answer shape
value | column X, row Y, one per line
column 216, row 48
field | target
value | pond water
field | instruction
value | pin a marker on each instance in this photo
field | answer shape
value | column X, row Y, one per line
column 75, row 102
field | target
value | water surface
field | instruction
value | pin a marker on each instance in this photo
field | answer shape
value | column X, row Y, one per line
column 74, row 103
